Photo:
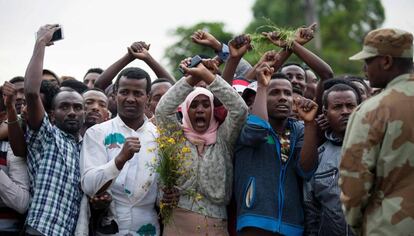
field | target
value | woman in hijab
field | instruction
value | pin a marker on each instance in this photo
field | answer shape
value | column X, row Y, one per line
column 211, row 169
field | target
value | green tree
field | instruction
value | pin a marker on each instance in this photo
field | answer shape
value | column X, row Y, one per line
column 184, row 47
column 342, row 25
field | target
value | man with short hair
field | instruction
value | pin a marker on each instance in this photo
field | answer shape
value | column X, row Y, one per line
column 323, row 212
column 73, row 84
column 377, row 167
column 311, row 84
column 273, row 156
column 96, row 108
column 110, row 94
column 296, row 74
column 91, row 76
column 18, row 83
column 53, row 151
column 158, row 88
column 51, row 76
column 116, row 153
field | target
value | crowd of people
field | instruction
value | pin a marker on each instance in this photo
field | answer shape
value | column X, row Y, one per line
column 276, row 148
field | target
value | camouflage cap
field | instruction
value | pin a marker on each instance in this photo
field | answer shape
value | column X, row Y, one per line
column 393, row 42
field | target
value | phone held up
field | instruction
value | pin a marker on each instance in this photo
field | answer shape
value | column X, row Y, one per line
column 57, row 35
column 194, row 63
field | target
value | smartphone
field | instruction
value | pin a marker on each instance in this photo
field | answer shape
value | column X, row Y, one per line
column 194, row 63
column 57, row 35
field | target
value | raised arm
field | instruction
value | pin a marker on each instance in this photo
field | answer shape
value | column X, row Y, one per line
column 307, row 110
column 238, row 47
column 206, row 39
column 33, row 77
column 263, row 74
column 165, row 112
column 15, row 132
column 272, row 58
column 139, row 50
column 105, row 79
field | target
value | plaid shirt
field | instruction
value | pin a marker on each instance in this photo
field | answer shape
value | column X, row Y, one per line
column 53, row 162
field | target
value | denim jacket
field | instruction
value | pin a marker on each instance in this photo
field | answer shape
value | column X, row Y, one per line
column 323, row 212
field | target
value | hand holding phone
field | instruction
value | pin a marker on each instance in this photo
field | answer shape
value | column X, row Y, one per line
column 49, row 33
column 57, row 35
column 194, row 63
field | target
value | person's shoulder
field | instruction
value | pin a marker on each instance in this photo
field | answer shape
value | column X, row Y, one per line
column 296, row 124
column 101, row 127
column 150, row 128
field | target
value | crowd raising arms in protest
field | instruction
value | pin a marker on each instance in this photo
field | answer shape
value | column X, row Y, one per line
column 275, row 148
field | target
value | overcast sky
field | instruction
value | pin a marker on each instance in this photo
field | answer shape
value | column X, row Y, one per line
column 97, row 32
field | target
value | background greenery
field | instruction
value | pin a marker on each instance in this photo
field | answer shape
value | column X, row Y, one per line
column 342, row 25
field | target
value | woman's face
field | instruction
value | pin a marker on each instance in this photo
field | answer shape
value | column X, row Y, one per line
column 199, row 113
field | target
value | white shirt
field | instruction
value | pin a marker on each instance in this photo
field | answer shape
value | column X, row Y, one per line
column 14, row 185
column 134, row 188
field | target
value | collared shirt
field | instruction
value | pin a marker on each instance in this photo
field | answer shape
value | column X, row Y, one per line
column 134, row 188
column 53, row 162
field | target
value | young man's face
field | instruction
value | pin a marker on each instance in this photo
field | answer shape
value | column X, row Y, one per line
column 20, row 98
column 90, row 79
column 296, row 76
column 111, row 95
column 131, row 97
column 96, row 107
column 279, row 99
column 340, row 106
column 68, row 113
column 157, row 91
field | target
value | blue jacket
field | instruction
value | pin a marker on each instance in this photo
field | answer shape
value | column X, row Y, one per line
column 269, row 193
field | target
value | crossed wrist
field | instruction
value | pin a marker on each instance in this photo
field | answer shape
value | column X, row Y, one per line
column 216, row 45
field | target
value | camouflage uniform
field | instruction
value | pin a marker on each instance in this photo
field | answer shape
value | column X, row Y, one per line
column 377, row 168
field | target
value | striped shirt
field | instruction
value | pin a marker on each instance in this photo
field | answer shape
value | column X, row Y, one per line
column 53, row 163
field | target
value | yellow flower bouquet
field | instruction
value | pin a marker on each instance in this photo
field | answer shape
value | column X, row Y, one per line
column 173, row 158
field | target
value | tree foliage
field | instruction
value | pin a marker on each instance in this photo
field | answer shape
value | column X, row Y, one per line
column 184, row 47
column 342, row 25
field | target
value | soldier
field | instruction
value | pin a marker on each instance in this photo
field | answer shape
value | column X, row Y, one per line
column 377, row 168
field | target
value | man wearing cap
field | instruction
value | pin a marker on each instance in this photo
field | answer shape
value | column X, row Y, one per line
column 377, row 168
